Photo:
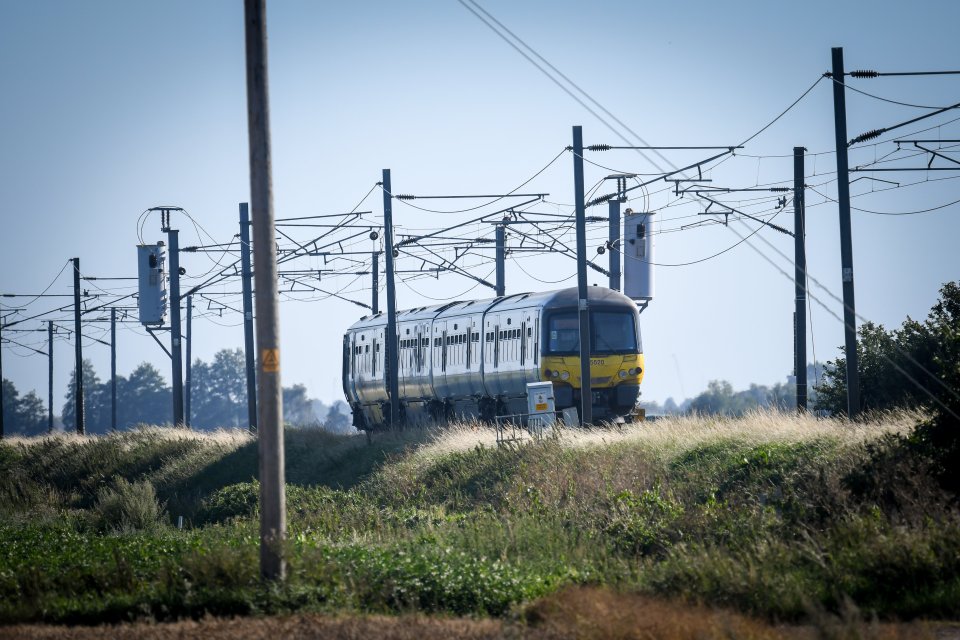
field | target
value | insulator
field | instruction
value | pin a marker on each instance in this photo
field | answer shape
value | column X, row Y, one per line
column 862, row 73
column 599, row 147
column 779, row 189
column 601, row 250
column 404, row 197
column 396, row 254
column 869, row 135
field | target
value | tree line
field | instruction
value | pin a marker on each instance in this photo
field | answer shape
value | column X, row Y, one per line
column 218, row 399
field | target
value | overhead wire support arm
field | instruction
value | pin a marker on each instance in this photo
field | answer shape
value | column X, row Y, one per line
column 450, row 266
column 495, row 195
column 324, row 291
column 413, row 239
column 934, row 154
column 609, row 147
column 876, row 133
column 664, row 177
column 865, row 73
column 326, row 215
column 741, row 213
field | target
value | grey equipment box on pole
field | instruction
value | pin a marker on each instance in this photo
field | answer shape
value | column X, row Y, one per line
column 638, row 250
column 152, row 300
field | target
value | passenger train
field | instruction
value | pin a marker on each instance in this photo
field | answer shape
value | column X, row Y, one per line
column 473, row 359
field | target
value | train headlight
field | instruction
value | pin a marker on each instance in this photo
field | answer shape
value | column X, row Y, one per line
column 546, row 373
column 565, row 375
column 623, row 374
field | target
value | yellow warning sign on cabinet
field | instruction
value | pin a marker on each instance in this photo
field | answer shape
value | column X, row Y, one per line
column 270, row 360
column 541, row 406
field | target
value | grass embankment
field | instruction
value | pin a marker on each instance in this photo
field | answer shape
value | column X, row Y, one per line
column 772, row 515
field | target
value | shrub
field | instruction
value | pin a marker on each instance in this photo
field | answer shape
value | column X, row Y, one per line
column 127, row 507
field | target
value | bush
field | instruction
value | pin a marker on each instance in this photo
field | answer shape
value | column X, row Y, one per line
column 127, row 507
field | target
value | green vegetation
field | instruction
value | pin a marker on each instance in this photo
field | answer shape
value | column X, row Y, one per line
column 770, row 514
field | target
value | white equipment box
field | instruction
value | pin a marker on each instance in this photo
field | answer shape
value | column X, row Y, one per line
column 540, row 407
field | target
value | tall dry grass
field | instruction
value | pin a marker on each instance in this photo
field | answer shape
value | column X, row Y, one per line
column 671, row 435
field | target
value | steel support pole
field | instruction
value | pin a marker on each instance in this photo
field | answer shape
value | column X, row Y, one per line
column 375, row 286
column 846, row 235
column 189, row 377
column 613, row 245
column 49, row 376
column 79, row 421
column 391, row 360
column 273, row 513
column 113, row 368
column 176, row 337
column 586, row 395
column 249, row 353
column 1, row 379
column 800, row 279
column 501, row 260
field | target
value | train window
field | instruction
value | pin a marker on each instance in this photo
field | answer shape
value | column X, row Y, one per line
column 529, row 332
column 367, row 350
column 378, row 348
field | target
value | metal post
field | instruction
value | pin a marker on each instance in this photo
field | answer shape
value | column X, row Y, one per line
column 375, row 293
column 586, row 394
column 247, row 286
column 78, row 351
column 113, row 368
column 1, row 379
column 49, row 376
column 273, row 514
column 846, row 237
column 188, row 377
column 391, row 360
column 613, row 247
column 501, row 259
column 800, row 273
column 176, row 352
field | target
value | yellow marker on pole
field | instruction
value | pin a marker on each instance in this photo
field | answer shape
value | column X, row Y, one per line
column 270, row 360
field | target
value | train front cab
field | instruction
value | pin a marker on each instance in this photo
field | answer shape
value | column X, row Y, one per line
column 616, row 358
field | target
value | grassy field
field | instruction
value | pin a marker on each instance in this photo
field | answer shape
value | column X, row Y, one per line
column 777, row 518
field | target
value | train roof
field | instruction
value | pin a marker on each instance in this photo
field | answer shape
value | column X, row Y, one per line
column 558, row 298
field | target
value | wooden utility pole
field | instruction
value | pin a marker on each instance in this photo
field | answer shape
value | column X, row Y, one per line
column 273, row 513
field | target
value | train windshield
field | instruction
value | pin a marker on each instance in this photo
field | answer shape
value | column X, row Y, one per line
column 612, row 331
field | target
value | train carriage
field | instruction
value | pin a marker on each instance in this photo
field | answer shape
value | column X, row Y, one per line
column 473, row 359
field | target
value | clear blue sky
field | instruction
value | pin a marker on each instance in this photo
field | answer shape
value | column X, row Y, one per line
column 110, row 108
